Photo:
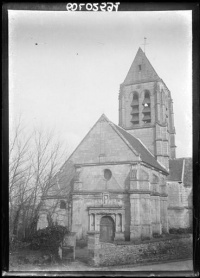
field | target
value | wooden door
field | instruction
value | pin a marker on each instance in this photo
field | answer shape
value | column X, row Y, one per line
column 107, row 229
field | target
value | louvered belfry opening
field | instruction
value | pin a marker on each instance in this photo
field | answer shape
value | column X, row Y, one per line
column 146, row 108
column 135, row 109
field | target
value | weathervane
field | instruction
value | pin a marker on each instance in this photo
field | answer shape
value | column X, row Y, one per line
column 144, row 43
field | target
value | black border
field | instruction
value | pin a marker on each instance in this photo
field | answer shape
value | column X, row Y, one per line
column 136, row 6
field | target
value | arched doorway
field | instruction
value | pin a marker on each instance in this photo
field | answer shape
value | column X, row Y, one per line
column 107, row 229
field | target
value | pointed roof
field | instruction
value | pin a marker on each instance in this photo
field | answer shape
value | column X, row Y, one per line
column 141, row 70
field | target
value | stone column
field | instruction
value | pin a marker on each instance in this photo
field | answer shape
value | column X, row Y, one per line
column 119, row 234
column 155, row 214
column 123, row 112
column 135, row 223
column 78, row 185
column 145, row 214
column 97, row 222
column 92, row 222
column 93, row 248
column 164, row 214
column 134, row 183
column 158, row 106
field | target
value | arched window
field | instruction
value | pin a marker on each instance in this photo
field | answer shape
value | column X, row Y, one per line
column 135, row 109
column 62, row 204
column 146, row 107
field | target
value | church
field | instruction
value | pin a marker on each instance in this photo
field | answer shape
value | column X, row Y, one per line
column 124, row 181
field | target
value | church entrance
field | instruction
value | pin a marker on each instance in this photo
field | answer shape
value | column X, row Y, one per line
column 107, row 229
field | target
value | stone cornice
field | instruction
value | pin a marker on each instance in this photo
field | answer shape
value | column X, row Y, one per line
column 102, row 207
column 163, row 195
column 139, row 127
column 55, row 197
column 107, row 163
column 81, row 192
column 134, row 179
column 155, row 194
column 176, row 208
column 138, row 191
column 140, row 82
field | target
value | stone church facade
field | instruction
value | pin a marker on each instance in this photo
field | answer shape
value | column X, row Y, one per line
column 124, row 180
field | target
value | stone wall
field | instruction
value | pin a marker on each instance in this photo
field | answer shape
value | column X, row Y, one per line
column 131, row 188
column 179, row 218
column 146, row 135
column 100, row 145
column 105, row 254
column 179, row 205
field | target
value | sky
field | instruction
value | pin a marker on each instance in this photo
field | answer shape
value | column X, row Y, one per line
column 65, row 68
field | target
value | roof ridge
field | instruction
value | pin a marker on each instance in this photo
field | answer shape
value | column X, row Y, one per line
column 144, row 147
column 151, row 64
column 150, row 153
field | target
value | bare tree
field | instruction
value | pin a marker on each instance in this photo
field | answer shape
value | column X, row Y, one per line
column 46, row 160
column 34, row 159
column 19, row 174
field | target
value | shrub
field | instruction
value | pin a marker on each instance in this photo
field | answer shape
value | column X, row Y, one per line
column 144, row 238
column 180, row 231
column 49, row 239
column 157, row 235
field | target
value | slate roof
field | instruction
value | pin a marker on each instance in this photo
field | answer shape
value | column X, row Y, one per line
column 175, row 169
column 146, row 74
column 180, row 169
column 145, row 154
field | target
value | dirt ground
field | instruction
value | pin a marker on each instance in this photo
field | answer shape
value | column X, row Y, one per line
column 36, row 260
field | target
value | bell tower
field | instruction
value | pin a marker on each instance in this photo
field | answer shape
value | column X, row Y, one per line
column 146, row 109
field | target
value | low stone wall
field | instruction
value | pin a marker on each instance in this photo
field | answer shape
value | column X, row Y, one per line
column 105, row 254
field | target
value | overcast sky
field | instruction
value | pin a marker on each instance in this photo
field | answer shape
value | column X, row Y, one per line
column 65, row 68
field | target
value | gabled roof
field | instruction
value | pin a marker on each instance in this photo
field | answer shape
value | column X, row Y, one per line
column 180, row 169
column 137, row 145
column 141, row 70
column 63, row 180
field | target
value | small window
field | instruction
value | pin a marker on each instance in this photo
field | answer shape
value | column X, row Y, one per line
column 107, row 174
column 62, row 204
column 140, row 67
